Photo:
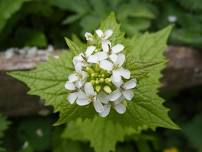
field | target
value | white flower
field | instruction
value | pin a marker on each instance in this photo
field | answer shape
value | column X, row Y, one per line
column 118, row 105
column 117, row 97
column 75, row 81
column 79, row 62
column 125, row 90
column 116, row 67
column 72, row 97
column 88, row 36
column 104, row 35
column 90, row 50
column 107, row 47
column 78, row 79
column 100, row 77
column 89, row 95
column 96, row 57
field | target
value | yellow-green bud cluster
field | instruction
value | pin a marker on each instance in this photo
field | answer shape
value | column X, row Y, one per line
column 99, row 78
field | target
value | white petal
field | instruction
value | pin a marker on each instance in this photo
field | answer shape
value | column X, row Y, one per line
column 73, row 77
column 70, row 86
column 92, row 59
column 89, row 90
column 103, row 97
column 88, row 36
column 120, row 108
column 106, row 65
column 78, row 66
column 113, row 57
column 116, row 76
column 99, row 33
column 82, row 99
column 108, row 33
column 117, row 84
column 78, row 58
column 130, row 84
column 119, row 100
column 98, row 106
column 128, row 94
column 79, row 83
column 120, row 60
column 90, row 50
column 101, row 56
column 117, row 48
column 106, row 45
column 124, row 73
column 106, row 110
column 72, row 97
column 115, row 95
column 84, row 75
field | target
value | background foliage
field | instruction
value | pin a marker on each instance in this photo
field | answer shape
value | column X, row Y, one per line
column 31, row 22
column 43, row 22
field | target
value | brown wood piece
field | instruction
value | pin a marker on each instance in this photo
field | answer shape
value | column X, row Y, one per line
column 184, row 70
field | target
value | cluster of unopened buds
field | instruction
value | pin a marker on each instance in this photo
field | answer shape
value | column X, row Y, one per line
column 100, row 77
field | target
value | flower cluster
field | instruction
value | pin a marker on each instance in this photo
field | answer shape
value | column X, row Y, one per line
column 99, row 77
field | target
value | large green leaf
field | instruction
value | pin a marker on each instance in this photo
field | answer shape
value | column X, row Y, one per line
column 147, row 105
column 103, row 134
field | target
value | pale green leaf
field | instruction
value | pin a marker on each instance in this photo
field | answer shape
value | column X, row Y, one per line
column 48, row 81
column 102, row 133
column 111, row 23
column 147, row 105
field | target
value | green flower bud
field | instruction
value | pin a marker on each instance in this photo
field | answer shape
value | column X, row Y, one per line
column 89, row 70
column 107, row 89
column 103, row 75
column 101, row 80
column 97, row 81
column 108, row 80
column 93, row 74
column 92, row 81
column 97, row 88
column 97, row 68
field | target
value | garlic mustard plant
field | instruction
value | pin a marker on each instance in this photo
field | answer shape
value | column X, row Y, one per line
column 100, row 77
column 105, row 88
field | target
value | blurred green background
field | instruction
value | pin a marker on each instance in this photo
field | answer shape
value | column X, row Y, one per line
column 43, row 22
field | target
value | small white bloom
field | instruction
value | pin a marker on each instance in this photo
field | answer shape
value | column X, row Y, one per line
column 116, row 67
column 77, row 79
column 120, row 108
column 125, row 90
column 90, row 50
column 104, row 35
column 118, row 105
column 88, row 36
column 79, row 62
column 106, row 110
column 84, row 98
column 97, row 57
column 70, row 86
column 72, row 97
column 107, row 47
